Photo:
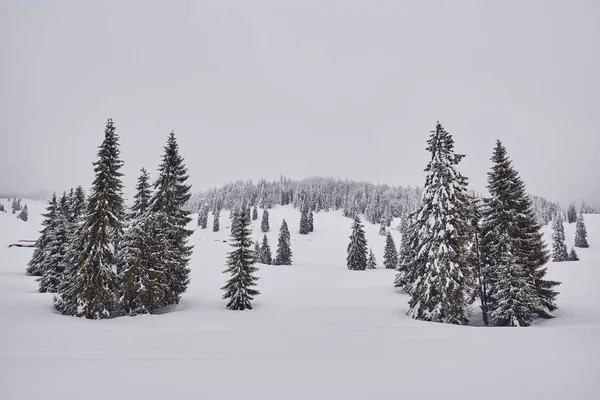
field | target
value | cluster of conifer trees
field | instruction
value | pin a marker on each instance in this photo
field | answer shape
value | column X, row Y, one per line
column 102, row 260
column 21, row 211
column 559, row 247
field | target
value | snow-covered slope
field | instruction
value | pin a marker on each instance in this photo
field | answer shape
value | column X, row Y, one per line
column 318, row 331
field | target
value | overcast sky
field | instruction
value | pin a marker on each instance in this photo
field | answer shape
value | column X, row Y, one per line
column 347, row 89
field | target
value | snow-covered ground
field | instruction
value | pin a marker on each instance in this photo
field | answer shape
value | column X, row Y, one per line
column 318, row 331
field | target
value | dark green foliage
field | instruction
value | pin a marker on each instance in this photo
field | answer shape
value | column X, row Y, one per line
column 54, row 262
column 283, row 256
column 171, row 193
column 390, row 254
column 257, row 251
column 77, row 204
column 95, row 283
column 24, row 214
column 34, row 267
column 571, row 214
column 357, row 248
column 581, row 233
column 265, row 252
column 440, row 287
column 142, row 196
column 559, row 248
column 240, row 264
column 371, row 261
column 304, row 223
column 264, row 225
column 216, row 219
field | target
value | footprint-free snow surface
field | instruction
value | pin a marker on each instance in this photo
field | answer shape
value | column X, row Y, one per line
column 317, row 331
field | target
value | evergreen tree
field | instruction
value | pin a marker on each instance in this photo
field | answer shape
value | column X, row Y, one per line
column 257, row 251
column 371, row 261
column 440, row 289
column 170, row 197
column 382, row 230
column 357, row 248
column 573, row 255
column 581, row 233
column 390, row 254
column 143, row 194
column 255, row 213
column 240, row 264
column 559, row 248
column 77, row 204
column 311, row 221
column 2, row 208
column 513, row 253
column 304, row 223
column 480, row 284
column 216, row 219
column 264, row 225
column 283, row 256
column 571, row 214
column 53, row 263
column 142, row 282
column 34, row 267
column 95, row 280
column 265, row 252
column 406, row 256
column 24, row 214
column 203, row 216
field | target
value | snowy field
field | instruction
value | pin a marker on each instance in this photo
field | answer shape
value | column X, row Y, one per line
column 318, row 331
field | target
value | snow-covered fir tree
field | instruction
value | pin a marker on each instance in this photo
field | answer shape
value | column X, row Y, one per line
column 216, row 219
column 95, row 283
column 77, row 204
column 239, row 289
column 203, row 216
column 23, row 214
column 390, row 254
column 311, row 221
column 264, row 224
column 573, row 255
column 283, row 256
column 142, row 196
column 34, row 267
column 440, row 289
column 581, row 233
column 559, row 248
column 53, row 262
column 356, row 259
column 571, row 214
column 406, row 255
column 254, row 213
column 265, row 252
column 257, row 251
column 371, row 261
column 382, row 229
column 171, row 193
column 512, row 250
column 304, row 223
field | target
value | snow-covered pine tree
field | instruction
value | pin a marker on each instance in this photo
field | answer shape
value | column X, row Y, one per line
column 357, row 248
column 171, row 193
column 406, row 256
column 581, row 233
column 382, row 229
column 95, row 282
column 2, row 208
column 264, row 225
column 216, row 219
column 573, row 255
column 512, row 245
column 239, row 289
column 257, row 251
column 23, row 214
column 53, row 263
column 390, row 254
column 283, row 256
column 203, row 216
column 311, row 221
column 440, row 289
column 559, row 248
column 265, row 252
column 77, row 204
column 142, row 196
column 304, row 224
column 34, row 267
column 571, row 214
column 254, row 213
column 475, row 259
column 371, row 261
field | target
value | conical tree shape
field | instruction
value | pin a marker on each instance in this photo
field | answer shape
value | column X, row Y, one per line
column 53, row 263
column 390, row 254
column 265, row 252
column 311, row 221
column 142, row 196
column 171, row 193
column 216, row 223
column 257, row 251
column 283, row 255
column 254, row 213
column 304, row 223
column 371, row 261
column 559, row 248
column 581, row 233
column 571, row 214
column 264, row 225
column 34, row 266
column 95, row 281
column 357, row 248
column 24, row 214
column 440, row 289
column 407, row 256
column 239, row 289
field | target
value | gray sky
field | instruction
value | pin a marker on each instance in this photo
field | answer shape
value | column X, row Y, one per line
column 347, row 89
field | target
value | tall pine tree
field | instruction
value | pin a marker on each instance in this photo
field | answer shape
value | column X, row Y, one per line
column 53, row 263
column 283, row 256
column 357, row 248
column 371, row 261
column 581, row 232
column 239, row 289
column 142, row 196
column 264, row 225
column 390, row 254
column 216, row 221
column 34, row 267
column 559, row 248
column 95, row 281
column 171, row 193
column 440, row 289
column 265, row 252
column 304, row 223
